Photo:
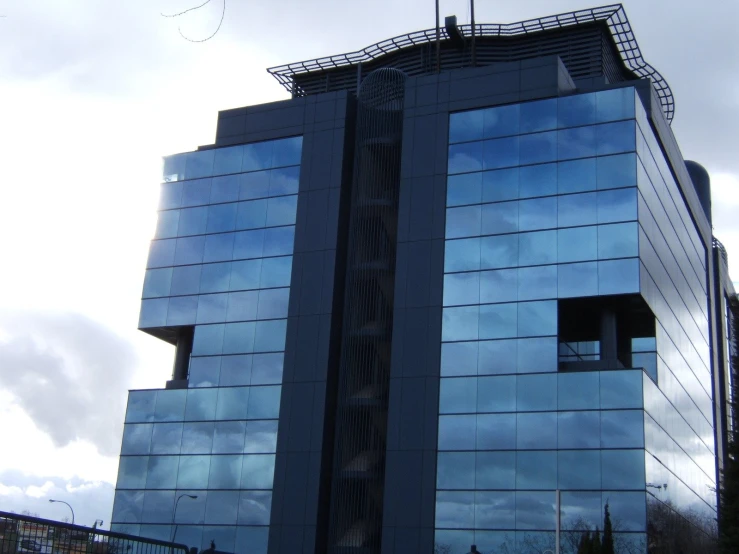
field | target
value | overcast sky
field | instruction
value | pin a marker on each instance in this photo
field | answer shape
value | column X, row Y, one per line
column 93, row 93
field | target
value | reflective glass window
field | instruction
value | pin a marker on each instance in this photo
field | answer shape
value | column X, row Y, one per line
column 622, row 429
column 255, row 507
column 578, row 469
column 575, row 110
column 537, row 282
column 193, row 472
column 212, row 308
column 460, row 323
column 617, row 205
column 215, row 277
column 498, row 251
column 270, row 336
column 249, row 244
column 496, row 394
column 577, row 209
column 499, row 153
column 465, row 157
column 539, row 115
column 232, row 403
column 576, row 176
column 281, row 210
column 622, row 469
column 167, row 223
column 170, row 405
column 287, row 151
column 463, row 222
column 495, row 470
column 535, row 318
column 273, row 303
column 153, row 313
column 536, row 431
column 276, row 272
column 628, row 508
column 257, row 155
column 455, row 509
column 141, row 406
column 225, row 472
column 614, row 138
column 465, row 126
column 501, row 121
column 579, row 142
column 238, row 338
column 174, row 167
column 621, row 389
column 495, row 431
column 461, row 288
column 538, row 180
column 158, row 507
column 199, row 164
column 616, row 171
column 197, row 438
column 166, row 438
column 196, row 193
column 492, row 541
column 618, row 241
column 464, row 189
column 204, row 372
column 222, row 508
column 264, row 402
column 495, row 510
column 537, row 248
column 496, row 286
column 236, row 370
column 618, row 276
column 157, row 282
column 208, row 340
column 497, row 356
column 455, row 470
column 614, row 104
column 458, row 395
column 192, row 221
column 257, row 471
column 132, row 472
column 279, row 241
column 577, row 280
column 577, row 244
column 498, row 321
column 459, row 358
column 156, row 532
column 189, row 250
column 161, row 253
column 185, row 280
column 251, row 215
column 170, row 195
column 537, row 355
column 283, row 181
column 538, row 213
column 538, row 147
column 536, row 470
column 462, row 255
column 182, row 310
column 224, row 189
column 578, row 391
column 228, row 160
column 500, row 185
column 580, row 507
column 162, row 472
column 136, row 438
column 221, row 218
column 535, row 393
column 456, row 541
column 499, row 218
column 457, row 432
column 127, row 507
column 245, row 275
column 261, row 437
column 253, row 538
column 222, row 535
column 267, row 369
column 201, row 404
column 218, row 248
column 578, row 430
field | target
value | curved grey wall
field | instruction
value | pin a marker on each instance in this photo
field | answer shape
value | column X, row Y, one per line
column 702, row 184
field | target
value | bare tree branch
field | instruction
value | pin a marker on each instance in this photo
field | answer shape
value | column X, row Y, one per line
column 187, row 10
column 220, row 23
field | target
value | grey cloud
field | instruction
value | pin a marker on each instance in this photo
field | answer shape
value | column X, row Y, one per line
column 68, row 373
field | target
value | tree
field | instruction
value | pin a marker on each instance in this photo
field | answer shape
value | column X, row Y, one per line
column 729, row 492
column 607, row 546
column 596, row 547
column 586, row 544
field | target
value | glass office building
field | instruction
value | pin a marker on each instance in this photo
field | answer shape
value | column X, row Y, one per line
column 430, row 303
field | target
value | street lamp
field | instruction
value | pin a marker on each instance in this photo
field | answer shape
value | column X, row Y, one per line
column 174, row 512
column 68, row 506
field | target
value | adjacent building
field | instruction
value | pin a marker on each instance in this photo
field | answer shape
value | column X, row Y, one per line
column 439, row 284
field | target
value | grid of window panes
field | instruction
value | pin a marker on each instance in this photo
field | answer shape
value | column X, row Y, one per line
column 679, row 424
column 541, row 205
column 221, row 262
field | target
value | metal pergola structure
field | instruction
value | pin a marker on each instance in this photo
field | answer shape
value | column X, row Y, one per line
column 614, row 15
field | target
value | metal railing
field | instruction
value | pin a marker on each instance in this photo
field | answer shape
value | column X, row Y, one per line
column 33, row 535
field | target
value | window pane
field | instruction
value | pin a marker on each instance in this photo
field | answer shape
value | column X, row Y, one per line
column 283, row 181
column 197, row 438
column 251, row 215
column 576, row 176
column 498, row 286
column 193, row 472
column 257, row 155
column 170, row 196
column 536, row 470
column 270, row 336
column 257, row 471
column 577, row 209
column 261, row 437
column 499, row 218
column 167, row 223
column 539, row 180
column 136, row 438
column 458, row 395
column 224, row 189
column 132, row 472
column 577, row 280
column 464, row 189
column 189, row 251
column 218, row 248
column 192, row 221
column 252, row 539
column 628, row 508
column 580, row 508
column 578, row 391
column 161, row 253
column 185, row 280
column 267, row 369
column 170, row 405
column 236, row 370
column 157, row 282
column 539, row 213
column 458, row 358
column 622, row 469
column 212, row 308
column 279, row 241
column 579, row 142
column 536, row 431
column 496, row 394
column 457, row 432
column 465, row 157
column 281, row 210
column 536, row 318
column 618, row 241
column 201, row 404
column 495, row 470
column 455, row 470
column 153, row 313
column 497, row 357
column 238, row 338
column 537, row 282
column 617, row 171
column 182, row 310
column 232, row 403
column 501, row 121
column 208, row 340
column 502, row 152
column 495, row 431
column 463, row 222
column 575, row 110
column 221, row 218
column 614, row 138
column 166, row 438
column 255, row 507
column 455, row 509
column 276, row 272
column 617, row 205
column 460, row 323
column 495, row 510
column 245, row 275
column 622, row 429
column 579, row 469
column 498, row 321
column 615, row 104
column 222, row 508
column 538, row 248
column 621, row 389
column 225, row 472
column 264, row 402
column 465, row 126
column 539, row 115
column 249, row 244
column 196, row 193
column 273, row 303
column 199, row 164
column 287, row 151
column 204, row 371
column 461, row 288
column 578, row 244
column 162, row 472
column 127, row 507
column 579, row 430
column 500, row 185
column 228, row 160
column 462, row 255
column 537, row 355
column 498, row 251
column 536, row 393
column 158, row 507
column 618, row 276
column 538, row 148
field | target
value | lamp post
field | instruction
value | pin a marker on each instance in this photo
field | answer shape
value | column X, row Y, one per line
column 174, row 512
column 68, row 506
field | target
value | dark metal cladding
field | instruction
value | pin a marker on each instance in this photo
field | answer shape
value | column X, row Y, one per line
column 592, row 43
column 364, row 373
column 702, row 183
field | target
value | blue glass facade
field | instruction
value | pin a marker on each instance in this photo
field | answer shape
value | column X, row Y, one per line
column 220, row 264
column 549, row 201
